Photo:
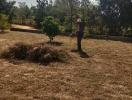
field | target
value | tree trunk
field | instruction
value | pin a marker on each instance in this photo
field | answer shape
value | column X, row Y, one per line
column 71, row 18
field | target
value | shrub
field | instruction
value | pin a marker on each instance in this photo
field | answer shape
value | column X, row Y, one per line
column 50, row 27
column 3, row 22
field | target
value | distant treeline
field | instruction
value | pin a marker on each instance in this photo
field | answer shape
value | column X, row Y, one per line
column 107, row 17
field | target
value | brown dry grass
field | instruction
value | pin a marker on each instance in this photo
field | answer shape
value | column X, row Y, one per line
column 105, row 75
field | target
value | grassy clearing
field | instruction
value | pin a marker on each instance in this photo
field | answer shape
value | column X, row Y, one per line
column 105, row 75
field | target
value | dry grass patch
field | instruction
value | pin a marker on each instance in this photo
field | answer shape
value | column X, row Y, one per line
column 105, row 75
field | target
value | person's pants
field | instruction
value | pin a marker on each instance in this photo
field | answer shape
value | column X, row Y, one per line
column 79, row 39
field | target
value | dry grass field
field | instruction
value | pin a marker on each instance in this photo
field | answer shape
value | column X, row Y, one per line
column 105, row 75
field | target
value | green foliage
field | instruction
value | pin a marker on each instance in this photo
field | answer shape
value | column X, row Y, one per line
column 3, row 22
column 50, row 27
column 6, row 7
column 24, row 10
column 23, row 14
column 116, row 15
column 105, row 17
column 41, row 11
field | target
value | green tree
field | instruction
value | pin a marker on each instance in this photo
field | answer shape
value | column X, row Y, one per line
column 67, row 10
column 125, row 8
column 23, row 12
column 73, row 7
column 41, row 11
column 85, row 4
column 116, row 14
column 3, row 22
column 110, row 14
column 50, row 27
column 7, row 8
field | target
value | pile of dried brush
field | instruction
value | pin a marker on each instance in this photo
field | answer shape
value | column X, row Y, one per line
column 35, row 53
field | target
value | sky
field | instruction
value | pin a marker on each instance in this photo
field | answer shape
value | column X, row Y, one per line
column 28, row 2
column 32, row 2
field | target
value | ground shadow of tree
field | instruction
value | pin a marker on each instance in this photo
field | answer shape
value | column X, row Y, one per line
column 54, row 43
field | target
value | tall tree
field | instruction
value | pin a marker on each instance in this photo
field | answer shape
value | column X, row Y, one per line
column 24, row 10
column 110, row 12
column 6, row 7
column 41, row 11
column 125, row 12
column 85, row 9
column 116, row 14
column 73, row 5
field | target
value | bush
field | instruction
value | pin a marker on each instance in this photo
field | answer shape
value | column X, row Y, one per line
column 3, row 22
column 50, row 27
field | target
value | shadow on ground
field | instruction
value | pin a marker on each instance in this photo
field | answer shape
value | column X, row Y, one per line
column 81, row 53
column 113, row 38
column 55, row 43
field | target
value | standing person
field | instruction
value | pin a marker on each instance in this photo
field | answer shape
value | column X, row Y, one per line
column 80, row 33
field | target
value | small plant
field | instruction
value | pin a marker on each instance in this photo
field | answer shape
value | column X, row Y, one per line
column 50, row 27
column 3, row 22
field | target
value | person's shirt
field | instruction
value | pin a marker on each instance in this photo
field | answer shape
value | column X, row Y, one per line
column 80, row 26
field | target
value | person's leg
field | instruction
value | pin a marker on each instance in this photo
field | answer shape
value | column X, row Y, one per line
column 79, row 39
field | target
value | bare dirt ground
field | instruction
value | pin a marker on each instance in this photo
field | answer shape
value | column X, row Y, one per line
column 105, row 75
column 22, row 27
